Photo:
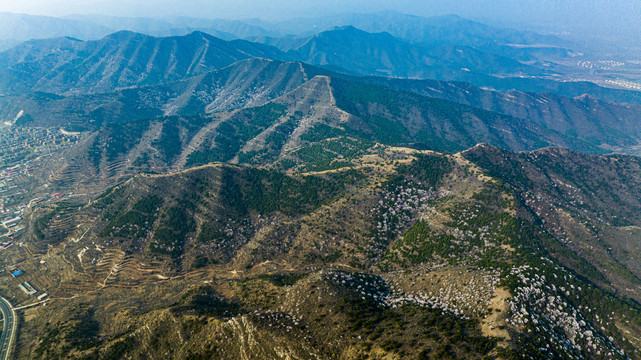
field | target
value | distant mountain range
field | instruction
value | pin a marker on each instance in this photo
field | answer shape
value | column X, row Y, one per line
column 448, row 30
column 120, row 60
column 16, row 28
column 363, row 53
column 223, row 28
column 127, row 59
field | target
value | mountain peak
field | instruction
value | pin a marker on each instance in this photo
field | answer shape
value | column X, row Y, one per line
column 480, row 147
column 354, row 31
column 349, row 36
column 586, row 97
column 124, row 35
column 347, row 28
column 199, row 33
column 450, row 17
column 73, row 38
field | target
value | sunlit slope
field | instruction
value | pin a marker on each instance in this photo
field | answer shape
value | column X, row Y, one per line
column 415, row 244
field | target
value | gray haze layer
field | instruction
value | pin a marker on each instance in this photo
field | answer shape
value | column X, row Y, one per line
column 612, row 18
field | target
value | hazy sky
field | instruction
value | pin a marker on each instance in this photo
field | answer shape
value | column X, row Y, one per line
column 608, row 15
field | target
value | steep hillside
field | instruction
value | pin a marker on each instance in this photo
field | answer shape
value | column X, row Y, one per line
column 120, row 60
column 440, row 124
column 589, row 204
column 410, row 254
column 323, row 124
column 610, row 125
column 249, row 82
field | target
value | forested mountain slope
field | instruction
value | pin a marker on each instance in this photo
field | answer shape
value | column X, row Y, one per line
column 120, row 60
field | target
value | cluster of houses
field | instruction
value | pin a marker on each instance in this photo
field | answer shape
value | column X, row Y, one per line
column 601, row 65
column 14, row 201
column 19, row 144
column 26, row 286
column 21, row 150
column 11, row 201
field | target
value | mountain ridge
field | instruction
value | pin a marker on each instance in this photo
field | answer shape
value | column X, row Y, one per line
column 122, row 60
column 603, row 127
column 287, row 237
column 304, row 128
column 380, row 53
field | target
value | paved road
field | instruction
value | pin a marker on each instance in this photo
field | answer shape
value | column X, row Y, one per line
column 8, row 329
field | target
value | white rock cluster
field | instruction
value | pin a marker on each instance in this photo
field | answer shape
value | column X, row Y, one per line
column 542, row 308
